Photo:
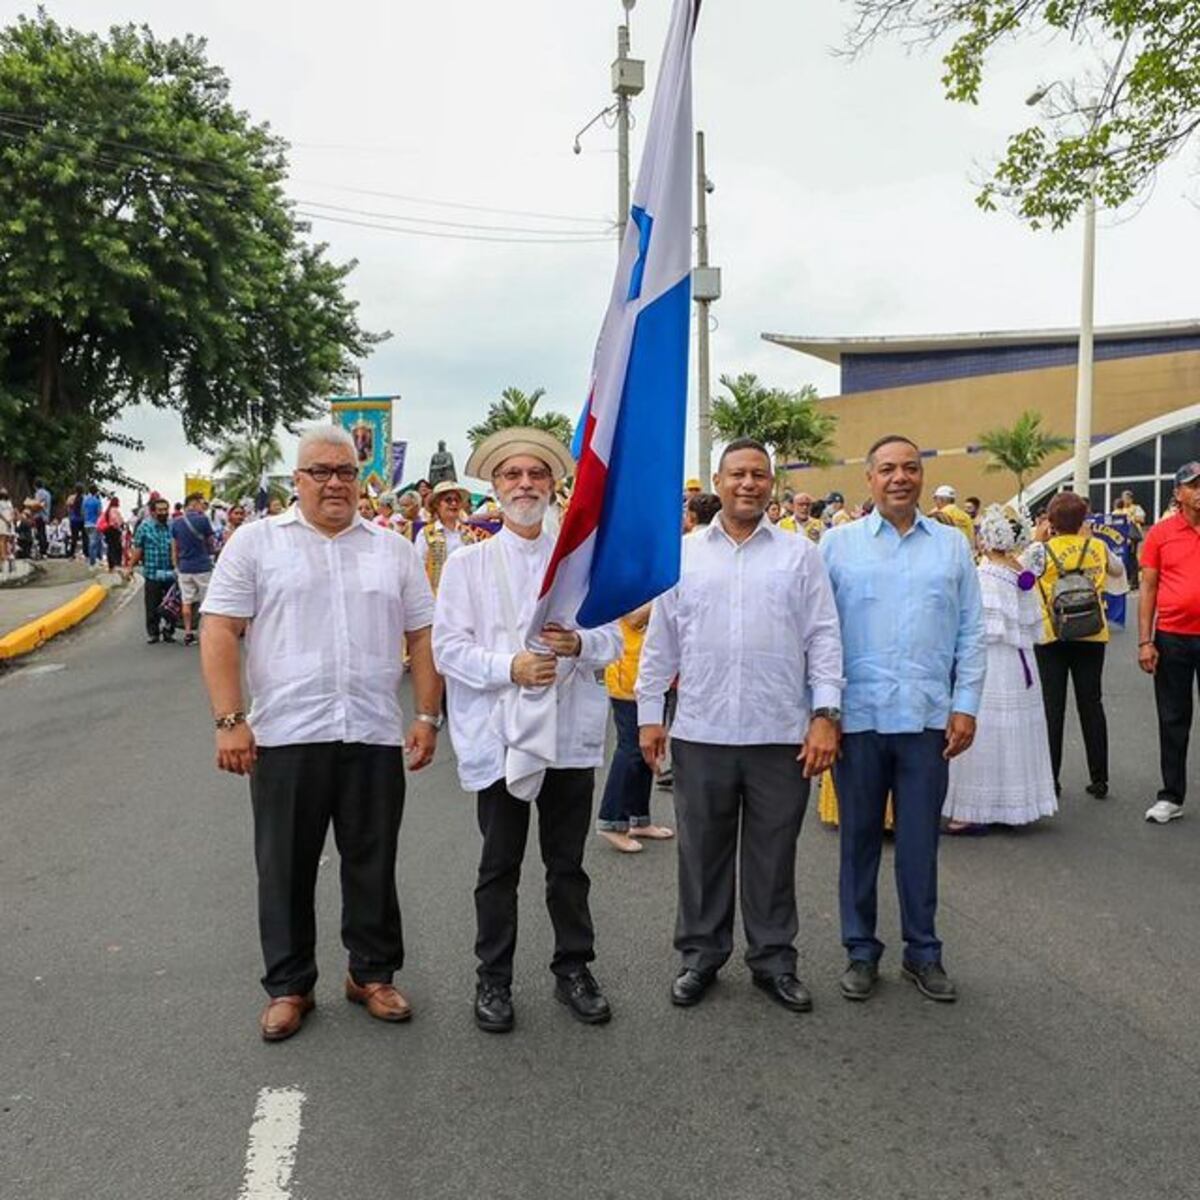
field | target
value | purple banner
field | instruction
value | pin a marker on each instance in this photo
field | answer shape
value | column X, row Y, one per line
column 399, row 454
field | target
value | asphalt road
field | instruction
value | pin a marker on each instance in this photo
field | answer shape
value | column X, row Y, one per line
column 130, row 1064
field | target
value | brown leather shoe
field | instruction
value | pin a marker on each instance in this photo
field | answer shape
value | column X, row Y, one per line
column 284, row 1015
column 382, row 1000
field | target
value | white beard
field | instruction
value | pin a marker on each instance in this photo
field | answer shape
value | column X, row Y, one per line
column 526, row 512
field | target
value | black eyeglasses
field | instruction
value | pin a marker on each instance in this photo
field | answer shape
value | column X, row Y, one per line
column 323, row 474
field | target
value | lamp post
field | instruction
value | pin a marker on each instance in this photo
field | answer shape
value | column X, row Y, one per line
column 1085, row 373
column 706, row 287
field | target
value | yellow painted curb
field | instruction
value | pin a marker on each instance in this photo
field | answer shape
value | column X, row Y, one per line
column 30, row 636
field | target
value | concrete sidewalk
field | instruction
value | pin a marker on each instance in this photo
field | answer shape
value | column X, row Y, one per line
column 55, row 583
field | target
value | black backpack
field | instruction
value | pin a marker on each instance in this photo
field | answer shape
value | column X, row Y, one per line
column 1074, row 605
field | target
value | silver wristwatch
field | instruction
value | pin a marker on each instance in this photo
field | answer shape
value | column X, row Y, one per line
column 430, row 719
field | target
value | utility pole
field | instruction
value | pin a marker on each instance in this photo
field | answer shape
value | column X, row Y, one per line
column 628, row 80
column 706, row 287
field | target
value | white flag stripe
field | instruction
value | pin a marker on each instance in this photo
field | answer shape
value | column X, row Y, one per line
column 271, row 1154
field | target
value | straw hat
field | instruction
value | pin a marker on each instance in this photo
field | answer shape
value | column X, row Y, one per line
column 505, row 443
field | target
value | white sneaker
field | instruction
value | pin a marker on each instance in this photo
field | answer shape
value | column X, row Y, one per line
column 1163, row 811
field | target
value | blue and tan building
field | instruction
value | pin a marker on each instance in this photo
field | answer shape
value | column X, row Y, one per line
column 944, row 390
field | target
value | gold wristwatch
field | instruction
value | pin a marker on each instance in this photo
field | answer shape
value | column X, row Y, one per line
column 229, row 720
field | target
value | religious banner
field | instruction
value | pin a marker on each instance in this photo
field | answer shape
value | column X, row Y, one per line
column 369, row 422
column 399, row 454
column 1114, row 530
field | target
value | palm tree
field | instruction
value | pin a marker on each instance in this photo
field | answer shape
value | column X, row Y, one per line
column 515, row 407
column 241, row 463
column 1021, row 449
column 790, row 423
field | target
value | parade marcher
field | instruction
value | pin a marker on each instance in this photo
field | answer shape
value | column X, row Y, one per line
column 446, row 533
column 234, row 520
column 1169, row 634
column 486, row 600
column 1005, row 778
column 700, row 511
column 946, row 508
column 801, row 519
column 93, row 507
column 774, row 512
column 323, row 599
column 8, row 526
column 912, row 628
column 1128, row 507
column 152, row 552
column 193, row 545
column 834, row 511
column 1065, row 558
column 625, row 808
column 408, row 515
column 693, row 487
column 112, row 527
column 745, row 741
column 43, row 514
column 75, row 517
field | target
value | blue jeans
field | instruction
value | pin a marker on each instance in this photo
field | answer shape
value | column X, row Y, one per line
column 626, row 800
column 911, row 767
column 95, row 544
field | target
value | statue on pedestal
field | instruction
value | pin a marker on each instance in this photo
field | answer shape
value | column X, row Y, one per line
column 441, row 466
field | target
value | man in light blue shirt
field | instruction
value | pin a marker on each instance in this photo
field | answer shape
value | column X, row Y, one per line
column 915, row 657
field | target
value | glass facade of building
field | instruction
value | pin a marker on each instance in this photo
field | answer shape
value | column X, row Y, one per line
column 1146, row 469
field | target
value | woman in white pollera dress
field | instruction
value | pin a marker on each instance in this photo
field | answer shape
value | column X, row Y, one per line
column 1005, row 778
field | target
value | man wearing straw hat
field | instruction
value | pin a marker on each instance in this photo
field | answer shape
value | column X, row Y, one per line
column 528, row 721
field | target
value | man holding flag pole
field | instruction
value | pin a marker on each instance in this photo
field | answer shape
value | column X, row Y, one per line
column 525, row 707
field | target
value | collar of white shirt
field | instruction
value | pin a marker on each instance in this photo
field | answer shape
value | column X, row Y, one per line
column 716, row 527
column 294, row 516
column 875, row 523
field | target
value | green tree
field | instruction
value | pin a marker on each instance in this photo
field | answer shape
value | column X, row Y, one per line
column 789, row 423
column 1133, row 102
column 240, row 462
column 148, row 254
column 517, row 408
column 1022, row 448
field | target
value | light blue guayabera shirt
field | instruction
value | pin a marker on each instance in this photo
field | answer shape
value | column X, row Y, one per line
column 912, row 624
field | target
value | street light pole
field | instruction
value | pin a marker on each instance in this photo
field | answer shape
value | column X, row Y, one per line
column 1084, row 376
column 622, row 134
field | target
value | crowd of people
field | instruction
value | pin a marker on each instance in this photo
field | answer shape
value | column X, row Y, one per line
column 915, row 662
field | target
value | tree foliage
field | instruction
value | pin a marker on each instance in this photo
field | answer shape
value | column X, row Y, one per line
column 789, row 423
column 517, row 408
column 148, row 253
column 1134, row 102
column 241, row 462
column 1022, row 448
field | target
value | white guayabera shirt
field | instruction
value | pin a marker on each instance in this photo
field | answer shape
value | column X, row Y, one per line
column 328, row 615
column 751, row 631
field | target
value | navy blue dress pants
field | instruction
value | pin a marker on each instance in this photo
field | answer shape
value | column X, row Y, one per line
column 910, row 766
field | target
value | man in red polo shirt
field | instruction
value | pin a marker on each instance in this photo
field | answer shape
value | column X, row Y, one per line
column 1169, row 634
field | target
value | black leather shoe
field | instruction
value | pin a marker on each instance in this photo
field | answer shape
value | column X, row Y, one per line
column 152, row 641
column 493, row 1007
column 582, row 995
column 689, row 987
column 932, row 981
column 859, row 979
column 1099, row 790
column 787, row 990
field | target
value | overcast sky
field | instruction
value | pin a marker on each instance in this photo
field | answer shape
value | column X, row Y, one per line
column 844, row 199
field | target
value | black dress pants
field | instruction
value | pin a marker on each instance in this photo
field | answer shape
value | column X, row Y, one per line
column 296, row 791
column 153, row 593
column 1174, row 680
column 564, row 819
column 760, row 790
column 1083, row 662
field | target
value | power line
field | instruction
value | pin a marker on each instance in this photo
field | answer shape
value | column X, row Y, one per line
column 504, row 212
column 570, row 234
column 462, row 237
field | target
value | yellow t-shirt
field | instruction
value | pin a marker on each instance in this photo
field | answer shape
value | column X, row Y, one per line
column 811, row 527
column 621, row 676
column 1067, row 548
column 962, row 522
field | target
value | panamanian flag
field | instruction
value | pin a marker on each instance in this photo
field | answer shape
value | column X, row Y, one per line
column 619, row 544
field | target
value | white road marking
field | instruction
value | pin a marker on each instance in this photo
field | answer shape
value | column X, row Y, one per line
column 271, row 1154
